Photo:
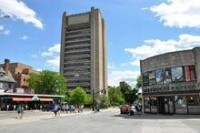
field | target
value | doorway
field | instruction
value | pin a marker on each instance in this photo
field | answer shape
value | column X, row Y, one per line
column 166, row 105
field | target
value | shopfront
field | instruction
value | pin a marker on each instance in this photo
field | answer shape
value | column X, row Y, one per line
column 172, row 104
column 171, row 82
column 9, row 101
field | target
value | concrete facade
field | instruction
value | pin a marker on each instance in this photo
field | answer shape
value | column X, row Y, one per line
column 83, row 59
column 170, row 79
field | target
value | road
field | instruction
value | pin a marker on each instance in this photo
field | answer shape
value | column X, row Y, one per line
column 108, row 121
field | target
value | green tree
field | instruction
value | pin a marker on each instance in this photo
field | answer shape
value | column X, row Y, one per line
column 47, row 82
column 88, row 102
column 128, row 93
column 139, row 82
column 34, row 81
column 67, row 97
column 78, row 96
column 104, row 101
column 115, row 96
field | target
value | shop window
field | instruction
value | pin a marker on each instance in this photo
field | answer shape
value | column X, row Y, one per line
column 153, row 105
column 190, row 73
column 152, row 78
column 147, row 104
column 159, row 76
column 180, row 104
column 193, row 100
column 145, row 79
column 178, row 74
column 167, row 76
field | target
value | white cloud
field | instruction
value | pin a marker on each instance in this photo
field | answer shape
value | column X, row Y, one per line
column 38, row 69
column 6, row 32
column 155, row 46
column 17, row 9
column 52, row 56
column 116, row 76
column 54, row 62
column 52, row 50
column 24, row 37
column 178, row 13
column 3, row 31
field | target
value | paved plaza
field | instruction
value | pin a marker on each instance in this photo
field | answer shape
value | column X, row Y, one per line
column 105, row 121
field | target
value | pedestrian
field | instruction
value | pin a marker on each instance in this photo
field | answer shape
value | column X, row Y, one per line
column 55, row 109
column 22, row 111
column 19, row 111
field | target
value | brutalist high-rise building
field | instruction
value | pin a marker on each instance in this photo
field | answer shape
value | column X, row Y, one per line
column 83, row 51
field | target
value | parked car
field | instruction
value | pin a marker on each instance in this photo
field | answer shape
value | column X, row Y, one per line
column 124, row 109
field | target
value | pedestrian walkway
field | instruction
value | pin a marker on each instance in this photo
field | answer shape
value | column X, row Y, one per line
column 10, row 117
column 40, row 116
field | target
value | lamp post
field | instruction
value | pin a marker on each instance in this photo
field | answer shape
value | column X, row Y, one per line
column 92, row 99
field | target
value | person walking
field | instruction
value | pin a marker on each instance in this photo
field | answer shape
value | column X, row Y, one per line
column 19, row 111
column 55, row 109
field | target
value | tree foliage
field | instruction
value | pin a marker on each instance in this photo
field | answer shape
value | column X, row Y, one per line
column 34, row 81
column 128, row 93
column 104, row 101
column 139, row 82
column 88, row 102
column 115, row 96
column 47, row 82
column 78, row 96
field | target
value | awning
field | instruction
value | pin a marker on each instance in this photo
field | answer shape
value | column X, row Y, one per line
column 25, row 99
column 46, row 99
column 35, row 98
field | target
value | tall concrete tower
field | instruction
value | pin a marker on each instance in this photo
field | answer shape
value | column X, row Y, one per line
column 83, row 51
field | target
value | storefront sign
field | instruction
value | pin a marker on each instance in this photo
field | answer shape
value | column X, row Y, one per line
column 171, row 87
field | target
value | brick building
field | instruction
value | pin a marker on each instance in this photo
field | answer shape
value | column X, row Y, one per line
column 20, row 73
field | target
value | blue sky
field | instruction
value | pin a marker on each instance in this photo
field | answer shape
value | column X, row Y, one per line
column 136, row 29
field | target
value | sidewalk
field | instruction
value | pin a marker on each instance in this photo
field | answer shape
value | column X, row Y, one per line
column 44, row 116
column 49, row 115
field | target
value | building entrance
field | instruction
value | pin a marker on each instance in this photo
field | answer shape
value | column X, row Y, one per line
column 166, row 105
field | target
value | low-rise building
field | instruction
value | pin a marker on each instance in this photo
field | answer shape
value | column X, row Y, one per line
column 171, row 82
column 14, row 88
column 20, row 73
column 7, row 82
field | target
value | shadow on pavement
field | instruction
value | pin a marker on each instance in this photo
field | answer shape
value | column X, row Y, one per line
column 157, row 116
